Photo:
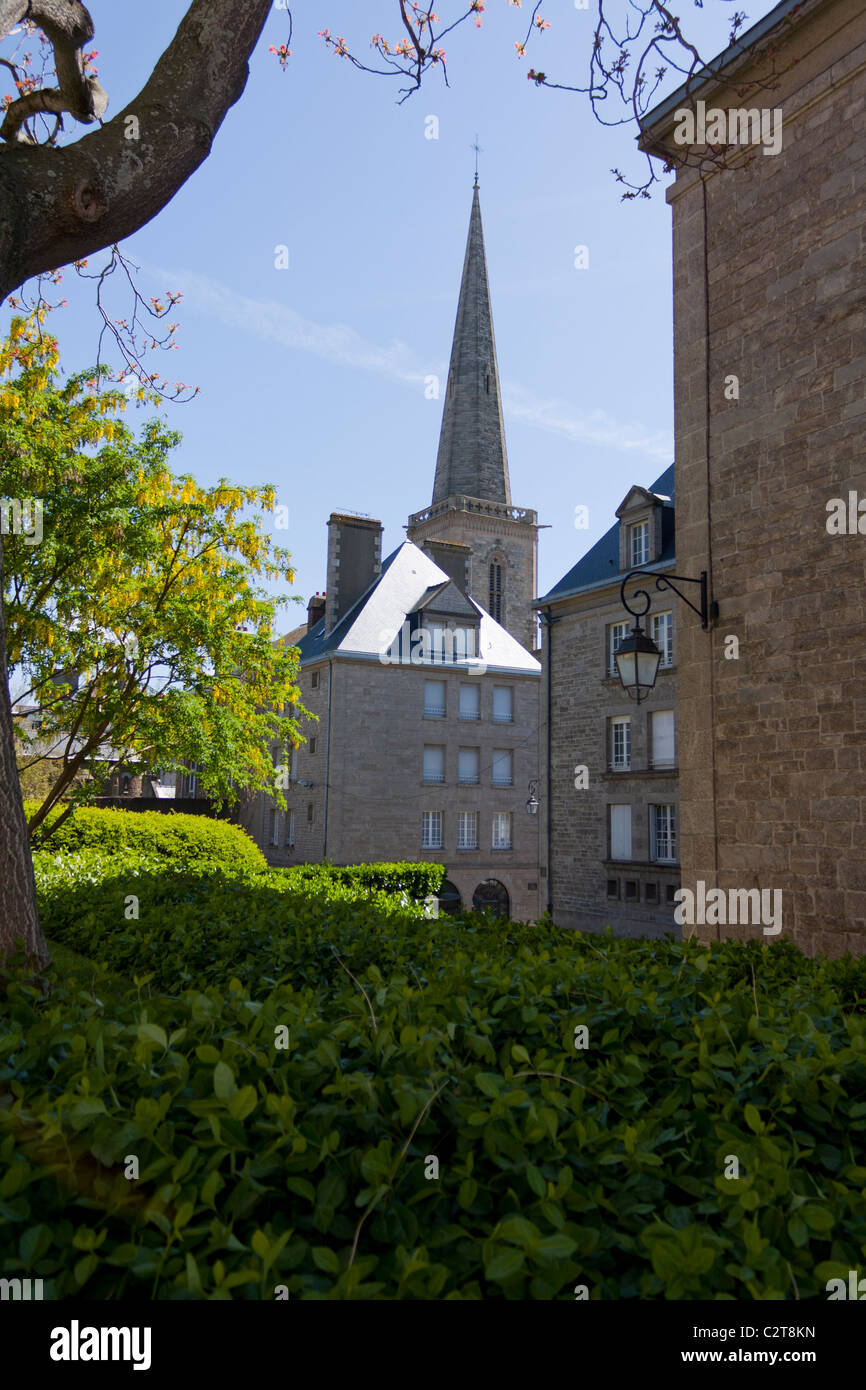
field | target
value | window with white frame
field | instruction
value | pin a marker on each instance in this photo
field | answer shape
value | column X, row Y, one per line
column 662, row 633
column 192, row 780
column 503, row 704
column 620, row 832
column 434, row 763
column 662, row 738
column 502, row 830
column 470, row 702
column 275, row 826
column 431, row 830
column 468, row 767
column 638, row 543
column 664, row 833
column 290, row 829
column 620, row 743
column 434, row 699
column 467, row 830
column 616, row 633
column 503, row 767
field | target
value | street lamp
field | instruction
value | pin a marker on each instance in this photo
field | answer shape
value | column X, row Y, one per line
column 532, row 803
column 638, row 657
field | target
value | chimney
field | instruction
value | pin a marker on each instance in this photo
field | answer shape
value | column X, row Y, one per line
column 452, row 558
column 354, row 561
column 315, row 610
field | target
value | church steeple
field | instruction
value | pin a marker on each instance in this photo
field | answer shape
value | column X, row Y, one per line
column 472, row 460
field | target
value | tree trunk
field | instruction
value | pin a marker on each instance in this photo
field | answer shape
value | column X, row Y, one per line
column 18, row 914
column 62, row 204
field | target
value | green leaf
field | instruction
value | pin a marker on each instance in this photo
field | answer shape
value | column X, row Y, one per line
column 519, row 1053
column 223, row 1081
column 34, row 1243
column 536, row 1181
column 817, row 1218
column 753, row 1118
column 326, row 1259
column 504, row 1265
column 260, row 1244
column 151, row 1032
column 556, row 1247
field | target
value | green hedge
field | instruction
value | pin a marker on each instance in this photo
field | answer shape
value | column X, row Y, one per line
column 419, row 881
column 170, row 836
column 198, row 924
column 409, row 1040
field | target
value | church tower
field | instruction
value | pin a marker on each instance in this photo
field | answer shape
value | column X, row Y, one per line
column 471, row 528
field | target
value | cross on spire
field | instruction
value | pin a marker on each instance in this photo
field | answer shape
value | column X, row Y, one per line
column 478, row 150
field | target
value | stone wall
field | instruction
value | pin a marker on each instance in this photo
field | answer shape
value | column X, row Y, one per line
column 773, row 743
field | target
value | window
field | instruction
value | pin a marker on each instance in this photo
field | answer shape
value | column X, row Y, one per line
column 651, row 892
column 431, row 830
column 314, row 680
column 290, row 829
column 638, row 536
column 124, row 788
column 470, row 702
column 670, row 890
column 631, row 894
column 434, row 699
column 275, row 827
column 309, row 813
column 450, row 643
column 293, row 770
column 313, row 744
column 494, row 607
column 192, row 780
column 662, row 734
column 503, row 767
column 467, row 830
column 434, row 763
column 616, row 633
column 502, row 830
column 503, row 704
column 662, row 633
column 613, row 888
column 620, row 832
column 664, row 832
column 620, row 744
column 468, row 767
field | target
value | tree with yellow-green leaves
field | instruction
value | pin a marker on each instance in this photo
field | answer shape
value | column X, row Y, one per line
column 135, row 610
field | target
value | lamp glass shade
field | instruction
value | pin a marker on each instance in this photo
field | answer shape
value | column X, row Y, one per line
column 637, row 661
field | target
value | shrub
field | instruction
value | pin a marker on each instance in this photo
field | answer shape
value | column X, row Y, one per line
column 419, row 881
column 410, row 1040
column 169, row 836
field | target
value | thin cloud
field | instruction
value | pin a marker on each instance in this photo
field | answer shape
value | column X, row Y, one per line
column 342, row 346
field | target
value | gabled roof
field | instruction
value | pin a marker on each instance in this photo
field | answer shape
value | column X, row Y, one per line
column 600, row 564
column 447, row 599
column 374, row 622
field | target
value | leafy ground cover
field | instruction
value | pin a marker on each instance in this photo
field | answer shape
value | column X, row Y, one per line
column 332, row 1094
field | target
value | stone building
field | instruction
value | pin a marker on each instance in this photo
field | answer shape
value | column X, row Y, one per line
column 770, row 367
column 609, row 797
column 426, row 734
column 419, row 668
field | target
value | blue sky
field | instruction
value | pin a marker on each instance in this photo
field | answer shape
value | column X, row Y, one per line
column 312, row 377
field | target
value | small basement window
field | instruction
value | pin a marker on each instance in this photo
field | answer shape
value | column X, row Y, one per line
column 613, row 888
column 631, row 894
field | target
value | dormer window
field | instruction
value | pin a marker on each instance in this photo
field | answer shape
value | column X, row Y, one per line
column 638, row 541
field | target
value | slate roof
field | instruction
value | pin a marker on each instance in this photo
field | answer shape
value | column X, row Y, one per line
column 374, row 621
column 600, row 564
column 472, row 458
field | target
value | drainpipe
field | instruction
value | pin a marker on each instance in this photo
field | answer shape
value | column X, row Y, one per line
column 328, row 760
column 548, row 620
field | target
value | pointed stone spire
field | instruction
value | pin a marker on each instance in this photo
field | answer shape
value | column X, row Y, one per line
column 472, row 458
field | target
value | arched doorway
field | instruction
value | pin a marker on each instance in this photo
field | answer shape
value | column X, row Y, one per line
column 449, row 898
column 491, row 896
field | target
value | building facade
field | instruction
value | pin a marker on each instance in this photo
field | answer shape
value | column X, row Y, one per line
column 419, row 668
column 770, row 369
column 610, row 802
